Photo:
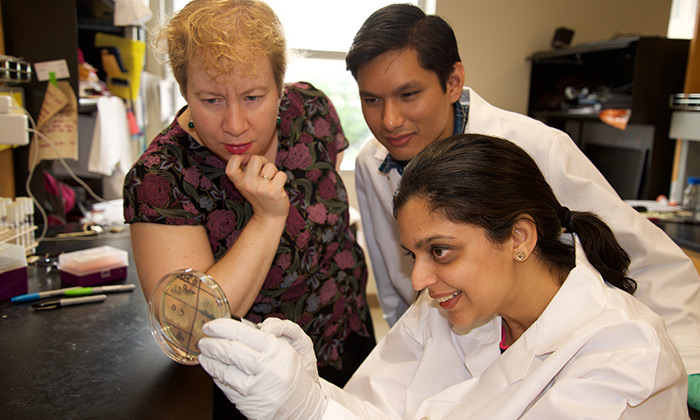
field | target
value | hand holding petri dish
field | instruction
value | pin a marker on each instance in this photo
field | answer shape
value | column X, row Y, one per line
column 180, row 304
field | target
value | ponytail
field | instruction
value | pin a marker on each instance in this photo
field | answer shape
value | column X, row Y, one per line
column 602, row 249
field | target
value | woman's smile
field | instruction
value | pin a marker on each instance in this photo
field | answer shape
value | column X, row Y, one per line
column 449, row 301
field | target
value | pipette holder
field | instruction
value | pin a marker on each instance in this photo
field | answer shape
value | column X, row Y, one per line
column 93, row 266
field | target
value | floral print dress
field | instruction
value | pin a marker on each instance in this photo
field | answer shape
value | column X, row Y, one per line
column 319, row 274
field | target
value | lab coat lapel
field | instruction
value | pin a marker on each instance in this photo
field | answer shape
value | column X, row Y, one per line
column 481, row 346
column 489, row 120
column 380, row 152
column 570, row 309
column 482, row 118
column 578, row 301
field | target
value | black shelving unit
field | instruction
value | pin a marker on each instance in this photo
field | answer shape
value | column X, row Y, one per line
column 45, row 30
column 635, row 73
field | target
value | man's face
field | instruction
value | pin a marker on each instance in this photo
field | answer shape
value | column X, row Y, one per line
column 404, row 104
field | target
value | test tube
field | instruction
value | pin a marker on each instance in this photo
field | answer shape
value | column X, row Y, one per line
column 4, row 202
column 3, row 213
column 30, row 217
column 27, row 222
column 13, row 221
column 4, row 230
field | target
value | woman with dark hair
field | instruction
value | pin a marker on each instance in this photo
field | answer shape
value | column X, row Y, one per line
column 526, row 311
column 482, row 191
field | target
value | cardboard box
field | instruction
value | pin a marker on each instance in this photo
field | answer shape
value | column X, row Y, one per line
column 93, row 266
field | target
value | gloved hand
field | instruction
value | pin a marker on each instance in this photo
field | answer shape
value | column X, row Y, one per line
column 297, row 338
column 262, row 374
column 694, row 391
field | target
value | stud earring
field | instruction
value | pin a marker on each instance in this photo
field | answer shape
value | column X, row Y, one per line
column 520, row 257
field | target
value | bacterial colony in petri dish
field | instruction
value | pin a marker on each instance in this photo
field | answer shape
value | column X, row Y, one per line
column 180, row 304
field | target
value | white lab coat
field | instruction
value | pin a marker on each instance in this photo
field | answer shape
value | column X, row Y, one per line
column 668, row 282
column 595, row 353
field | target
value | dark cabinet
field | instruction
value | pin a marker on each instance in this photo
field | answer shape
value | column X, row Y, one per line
column 570, row 87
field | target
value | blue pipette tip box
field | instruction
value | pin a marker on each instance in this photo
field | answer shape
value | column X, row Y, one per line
column 93, row 266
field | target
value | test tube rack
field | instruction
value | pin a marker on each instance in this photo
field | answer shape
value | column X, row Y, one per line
column 14, row 70
column 17, row 223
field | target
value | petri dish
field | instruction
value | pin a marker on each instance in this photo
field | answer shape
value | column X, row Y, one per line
column 180, row 304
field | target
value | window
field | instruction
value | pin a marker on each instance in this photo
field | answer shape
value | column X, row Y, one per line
column 681, row 23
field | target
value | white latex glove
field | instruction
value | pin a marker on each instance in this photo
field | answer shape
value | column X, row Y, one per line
column 262, row 374
column 297, row 338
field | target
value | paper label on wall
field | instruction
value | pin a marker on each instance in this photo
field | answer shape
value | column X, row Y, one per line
column 58, row 120
column 58, row 67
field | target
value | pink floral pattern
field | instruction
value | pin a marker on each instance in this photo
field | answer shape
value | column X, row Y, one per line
column 298, row 157
column 319, row 275
column 154, row 190
column 220, row 224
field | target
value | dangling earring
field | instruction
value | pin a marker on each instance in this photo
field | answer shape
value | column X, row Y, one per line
column 279, row 120
column 520, row 257
column 190, row 123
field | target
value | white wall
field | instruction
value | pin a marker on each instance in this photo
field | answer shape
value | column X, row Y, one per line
column 496, row 36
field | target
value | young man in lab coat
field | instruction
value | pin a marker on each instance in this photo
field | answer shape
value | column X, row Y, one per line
column 411, row 78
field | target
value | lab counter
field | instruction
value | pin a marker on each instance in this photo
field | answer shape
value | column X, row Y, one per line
column 96, row 360
column 686, row 234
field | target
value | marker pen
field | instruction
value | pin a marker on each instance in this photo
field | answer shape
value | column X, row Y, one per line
column 84, row 291
column 30, row 297
column 59, row 303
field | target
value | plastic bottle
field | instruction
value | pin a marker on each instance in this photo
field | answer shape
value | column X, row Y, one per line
column 691, row 197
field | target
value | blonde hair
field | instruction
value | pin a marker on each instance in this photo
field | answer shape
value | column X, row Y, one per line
column 223, row 35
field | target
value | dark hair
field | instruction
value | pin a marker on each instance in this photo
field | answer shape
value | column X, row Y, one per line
column 490, row 183
column 400, row 26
